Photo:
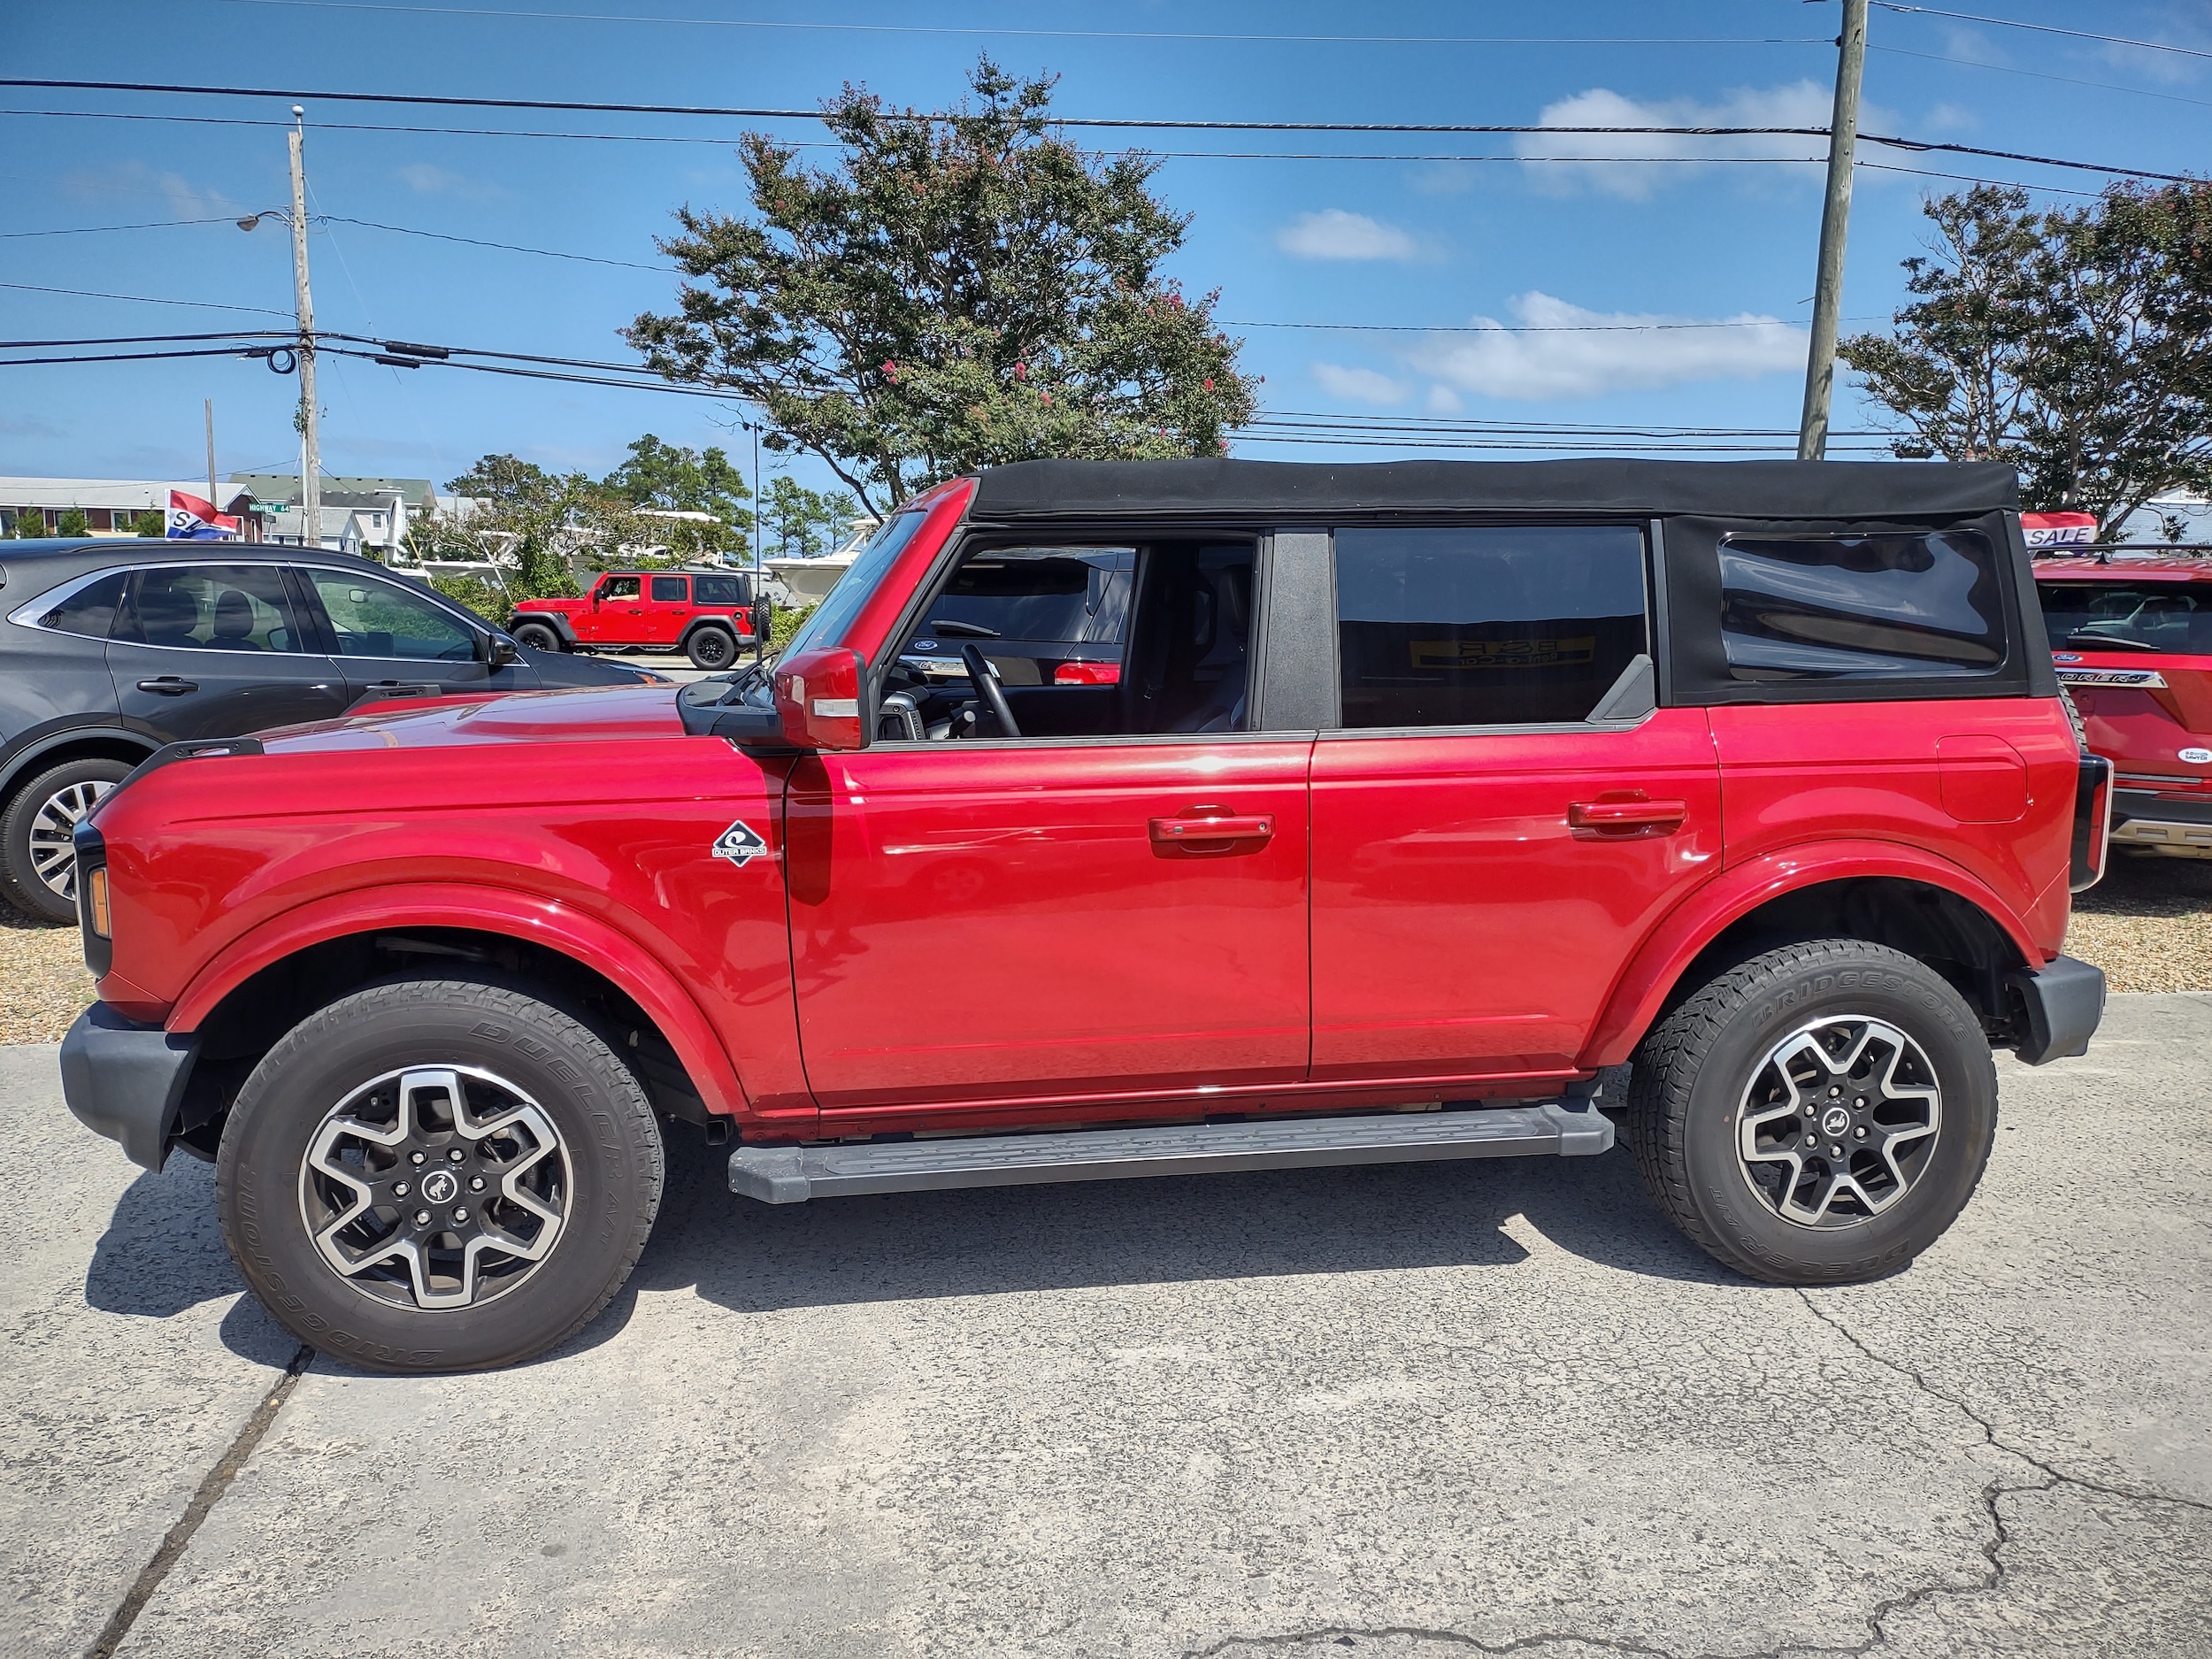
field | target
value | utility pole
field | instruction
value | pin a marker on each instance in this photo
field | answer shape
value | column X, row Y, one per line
column 310, row 447
column 1835, row 225
column 209, row 404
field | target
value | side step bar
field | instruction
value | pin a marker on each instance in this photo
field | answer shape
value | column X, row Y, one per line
column 791, row 1175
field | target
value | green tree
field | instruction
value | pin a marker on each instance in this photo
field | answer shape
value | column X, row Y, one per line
column 149, row 522
column 30, row 524
column 2074, row 344
column 74, row 523
column 962, row 289
column 502, row 479
column 803, row 523
column 668, row 478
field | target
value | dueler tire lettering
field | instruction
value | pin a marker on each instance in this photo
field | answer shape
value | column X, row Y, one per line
column 1694, row 1071
column 591, row 1100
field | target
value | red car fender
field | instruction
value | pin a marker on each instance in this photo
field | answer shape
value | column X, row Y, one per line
column 517, row 915
column 1688, row 928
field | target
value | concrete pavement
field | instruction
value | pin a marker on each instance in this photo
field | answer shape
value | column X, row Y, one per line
column 1419, row 1412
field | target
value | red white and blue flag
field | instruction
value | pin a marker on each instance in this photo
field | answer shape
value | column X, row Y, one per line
column 192, row 518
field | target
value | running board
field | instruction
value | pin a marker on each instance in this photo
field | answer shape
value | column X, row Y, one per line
column 791, row 1175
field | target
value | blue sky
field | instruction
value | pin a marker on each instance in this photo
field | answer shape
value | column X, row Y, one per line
column 1562, row 245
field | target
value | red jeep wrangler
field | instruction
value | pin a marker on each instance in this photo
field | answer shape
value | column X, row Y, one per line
column 1427, row 794
column 2131, row 634
column 708, row 614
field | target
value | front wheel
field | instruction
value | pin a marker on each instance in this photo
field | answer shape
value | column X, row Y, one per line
column 711, row 648
column 1818, row 1115
column 38, row 857
column 538, row 636
column 438, row 1176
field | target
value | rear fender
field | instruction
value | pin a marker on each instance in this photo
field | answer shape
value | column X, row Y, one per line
column 1653, row 971
column 557, row 927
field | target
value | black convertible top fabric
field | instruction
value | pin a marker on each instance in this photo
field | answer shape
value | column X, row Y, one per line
column 1732, row 489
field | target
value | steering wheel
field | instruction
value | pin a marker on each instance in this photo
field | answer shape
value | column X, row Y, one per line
column 986, row 689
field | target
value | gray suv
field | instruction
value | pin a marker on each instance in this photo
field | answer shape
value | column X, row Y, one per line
column 112, row 648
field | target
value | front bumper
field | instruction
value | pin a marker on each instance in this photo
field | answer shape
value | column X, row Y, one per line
column 2062, row 1004
column 127, row 1081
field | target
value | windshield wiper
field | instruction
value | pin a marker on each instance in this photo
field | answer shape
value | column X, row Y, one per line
column 2107, row 641
column 967, row 630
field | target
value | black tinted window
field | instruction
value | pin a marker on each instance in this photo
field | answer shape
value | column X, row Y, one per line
column 211, row 607
column 670, row 590
column 2128, row 616
column 90, row 610
column 618, row 587
column 719, row 590
column 1864, row 607
column 1496, row 625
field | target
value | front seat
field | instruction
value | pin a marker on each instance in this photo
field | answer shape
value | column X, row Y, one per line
column 234, row 622
column 167, row 613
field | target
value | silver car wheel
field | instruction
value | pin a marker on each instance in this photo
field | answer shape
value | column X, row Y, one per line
column 53, row 851
column 435, row 1187
column 1837, row 1121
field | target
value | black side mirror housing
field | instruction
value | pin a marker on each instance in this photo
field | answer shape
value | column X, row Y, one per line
column 500, row 652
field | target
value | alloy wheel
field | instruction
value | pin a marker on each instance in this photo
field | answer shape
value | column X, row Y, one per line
column 435, row 1186
column 53, row 849
column 1839, row 1120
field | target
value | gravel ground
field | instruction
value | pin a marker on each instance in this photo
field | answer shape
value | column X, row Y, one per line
column 48, row 984
column 2148, row 925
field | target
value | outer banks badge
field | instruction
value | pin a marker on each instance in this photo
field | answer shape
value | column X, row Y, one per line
column 740, row 843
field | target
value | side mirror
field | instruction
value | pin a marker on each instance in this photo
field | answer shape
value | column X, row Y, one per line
column 818, row 698
column 500, row 652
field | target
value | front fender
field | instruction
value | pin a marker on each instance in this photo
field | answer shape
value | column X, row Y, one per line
column 558, row 620
column 1652, row 972
column 520, row 915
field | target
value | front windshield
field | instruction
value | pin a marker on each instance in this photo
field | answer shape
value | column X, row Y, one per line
column 835, row 613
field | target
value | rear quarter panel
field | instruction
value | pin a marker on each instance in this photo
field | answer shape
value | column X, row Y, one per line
column 1986, row 785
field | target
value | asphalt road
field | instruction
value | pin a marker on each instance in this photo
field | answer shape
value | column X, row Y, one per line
column 1424, row 1412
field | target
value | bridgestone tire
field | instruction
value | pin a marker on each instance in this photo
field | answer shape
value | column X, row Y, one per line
column 712, row 647
column 20, row 881
column 1692, row 1072
column 538, row 637
column 593, row 1100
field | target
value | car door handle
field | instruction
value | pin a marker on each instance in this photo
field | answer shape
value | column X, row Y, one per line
column 1172, row 831
column 1627, row 814
column 169, row 686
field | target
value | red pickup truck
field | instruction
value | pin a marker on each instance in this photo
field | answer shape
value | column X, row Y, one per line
column 1426, row 796
column 708, row 614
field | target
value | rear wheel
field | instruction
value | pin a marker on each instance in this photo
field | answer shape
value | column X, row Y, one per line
column 538, row 636
column 711, row 648
column 437, row 1176
column 1819, row 1115
column 38, row 860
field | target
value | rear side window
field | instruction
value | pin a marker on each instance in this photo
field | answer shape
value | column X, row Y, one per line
column 670, row 590
column 1905, row 605
column 211, row 608
column 719, row 590
column 90, row 610
column 1485, row 626
column 2124, row 615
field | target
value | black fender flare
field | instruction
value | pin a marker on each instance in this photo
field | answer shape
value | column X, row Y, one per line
column 558, row 620
column 736, row 630
column 24, row 762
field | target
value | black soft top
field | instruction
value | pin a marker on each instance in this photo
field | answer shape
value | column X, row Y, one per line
column 1730, row 489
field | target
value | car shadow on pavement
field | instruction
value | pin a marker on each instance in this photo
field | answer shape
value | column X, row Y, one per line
column 162, row 1254
column 752, row 1257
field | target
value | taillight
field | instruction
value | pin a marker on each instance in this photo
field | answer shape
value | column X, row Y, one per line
column 1087, row 674
column 2093, row 822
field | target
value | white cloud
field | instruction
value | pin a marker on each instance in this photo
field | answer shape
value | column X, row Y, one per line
column 1580, row 353
column 135, row 178
column 1443, row 401
column 1635, row 164
column 1333, row 233
column 1364, row 386
column 430, row 180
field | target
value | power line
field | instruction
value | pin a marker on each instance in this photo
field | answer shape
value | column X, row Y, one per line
column 1115, row 123
column 141, row 299
column 2038, row 74
column 2042, row 28
column 507, row 247
column 1084, row 35
column 95, row 230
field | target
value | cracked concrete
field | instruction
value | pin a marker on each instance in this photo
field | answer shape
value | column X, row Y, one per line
column 1484, row 1408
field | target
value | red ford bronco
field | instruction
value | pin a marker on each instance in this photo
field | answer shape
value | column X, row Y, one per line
column 1426, row 794
column 2131, row 634
column 708, row 614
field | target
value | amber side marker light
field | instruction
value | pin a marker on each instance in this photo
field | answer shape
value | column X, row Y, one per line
column 96, row 894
